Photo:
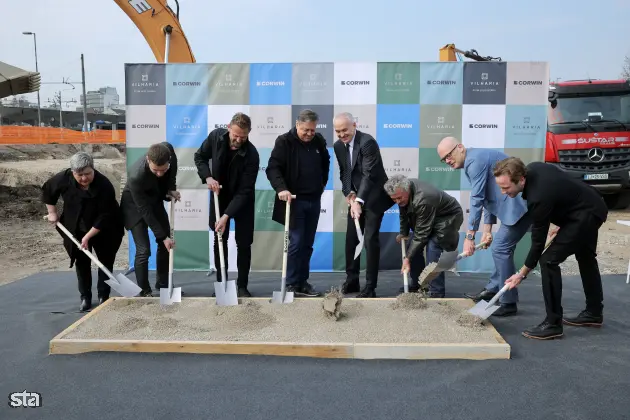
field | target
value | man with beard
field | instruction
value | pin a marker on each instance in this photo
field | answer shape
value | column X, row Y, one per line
column 362, row 177
column 235, row 163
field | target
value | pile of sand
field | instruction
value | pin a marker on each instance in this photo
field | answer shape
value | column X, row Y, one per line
column 300, row 321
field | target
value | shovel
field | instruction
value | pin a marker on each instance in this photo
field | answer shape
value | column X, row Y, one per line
column 172, row 294
column 446, row 262
column 484, row 309
column 359, row 247
column 119, row 283
column 405, row 276
column 224, row 290
column 283, row 296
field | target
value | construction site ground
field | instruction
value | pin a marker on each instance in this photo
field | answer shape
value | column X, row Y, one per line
column 29, row 245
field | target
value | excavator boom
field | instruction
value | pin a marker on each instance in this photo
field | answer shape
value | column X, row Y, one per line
column 449, row 53
column 155, row 19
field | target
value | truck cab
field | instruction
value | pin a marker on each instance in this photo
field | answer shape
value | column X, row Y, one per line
column 588, row 135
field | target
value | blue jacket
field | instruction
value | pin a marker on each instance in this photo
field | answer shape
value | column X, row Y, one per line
column 486, row 194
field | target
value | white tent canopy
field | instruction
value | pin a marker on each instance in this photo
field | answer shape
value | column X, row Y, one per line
column 16, row 81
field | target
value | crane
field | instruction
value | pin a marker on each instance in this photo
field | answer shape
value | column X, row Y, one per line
column 450, row 53
column 161, row 29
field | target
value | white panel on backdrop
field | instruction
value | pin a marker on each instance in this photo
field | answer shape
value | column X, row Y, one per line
column 268, row 122
column 403, row 161
column 355, row 83
column 527, row 83
column 457, row 195
column 192, row 212
column 231, row 254
column 325, row 223
column 219, row 116
column 483, row 126
column 147, row 124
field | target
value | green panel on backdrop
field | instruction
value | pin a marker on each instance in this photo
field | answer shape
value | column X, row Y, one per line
column 195, row 255
column 339, row 253
column 398, row 83
column 133, row 154
column 521, row 251
column 431, row 170
column 267, row 251
column 264, row 210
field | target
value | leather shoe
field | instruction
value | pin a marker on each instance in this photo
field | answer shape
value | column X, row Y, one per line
column 483, row 295
column 243, row 292
column 85, row 304
column 585, row 319
column 367, row 292
column 102, row 299
column 350, row 286
column 506, row 309
column 544, row 331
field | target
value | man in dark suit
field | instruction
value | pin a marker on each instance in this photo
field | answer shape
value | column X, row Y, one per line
column 299, row 165
column 151, row 182
column 362, row 178
column 235, row 163
column 579, row 211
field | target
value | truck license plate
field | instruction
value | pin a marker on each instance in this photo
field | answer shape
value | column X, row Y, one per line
column 595, row 176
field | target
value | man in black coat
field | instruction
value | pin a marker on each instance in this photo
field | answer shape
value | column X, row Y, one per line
column 92, row 215
column 299, row 165
column 151, row 182
column 235, row 163
column 362, row 177
column 579, row 211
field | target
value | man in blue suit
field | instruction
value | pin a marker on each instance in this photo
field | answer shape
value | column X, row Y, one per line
column 478, row 167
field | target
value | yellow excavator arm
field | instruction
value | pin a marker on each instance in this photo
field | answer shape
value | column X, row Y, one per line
column 161, row 29
column 449, row 53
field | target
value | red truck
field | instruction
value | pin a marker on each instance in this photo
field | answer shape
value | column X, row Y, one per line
column 588, row 135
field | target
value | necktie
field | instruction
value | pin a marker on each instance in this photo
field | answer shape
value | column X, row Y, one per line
column 347, row 176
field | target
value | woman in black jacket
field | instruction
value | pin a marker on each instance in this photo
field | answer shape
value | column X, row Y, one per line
column 92, row 214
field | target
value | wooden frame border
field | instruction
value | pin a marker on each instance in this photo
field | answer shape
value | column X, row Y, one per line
column 410, row 351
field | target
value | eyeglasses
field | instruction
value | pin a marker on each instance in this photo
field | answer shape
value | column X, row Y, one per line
column 448, row 155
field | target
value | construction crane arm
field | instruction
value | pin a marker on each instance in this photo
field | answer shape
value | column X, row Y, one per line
column 449, row 53
column 161, row 29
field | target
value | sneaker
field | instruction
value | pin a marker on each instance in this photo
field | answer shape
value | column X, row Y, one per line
column 307, row 290
column 585, row 319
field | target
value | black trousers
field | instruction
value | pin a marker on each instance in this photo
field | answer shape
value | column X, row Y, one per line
column 105, row 249
column 584, row 247
column 140, row 233
column 370, row 223
column 244, row 237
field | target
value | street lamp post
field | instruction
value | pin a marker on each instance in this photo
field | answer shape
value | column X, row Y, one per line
column 39, row 112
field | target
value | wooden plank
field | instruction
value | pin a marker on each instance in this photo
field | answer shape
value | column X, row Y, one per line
column 409, row 351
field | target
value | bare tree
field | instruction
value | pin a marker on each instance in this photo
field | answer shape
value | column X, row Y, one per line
column 625, row 70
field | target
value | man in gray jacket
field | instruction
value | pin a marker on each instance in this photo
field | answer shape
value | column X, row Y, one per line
column 434, row 217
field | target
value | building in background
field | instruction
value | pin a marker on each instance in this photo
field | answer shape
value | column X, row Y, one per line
column 106, row 98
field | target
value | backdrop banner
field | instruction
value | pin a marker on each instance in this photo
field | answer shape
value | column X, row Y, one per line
column 408, row 107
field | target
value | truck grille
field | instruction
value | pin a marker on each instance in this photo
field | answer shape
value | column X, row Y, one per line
column 578, row 160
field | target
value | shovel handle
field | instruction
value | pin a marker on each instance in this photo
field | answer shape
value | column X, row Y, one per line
column 87, row 252
column 403, row 248
column 171, row 251
column 217, row 216
column 477, row 248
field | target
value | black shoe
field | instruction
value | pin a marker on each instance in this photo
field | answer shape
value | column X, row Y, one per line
column 146, row 293
column 85, row 304
column 102, row 299
column 585, row 319
column 506, row 309
column 483, row 295
column 544, row 331
column 243, row 292
column 350, row 286
column 367, row 292
column 307, row 290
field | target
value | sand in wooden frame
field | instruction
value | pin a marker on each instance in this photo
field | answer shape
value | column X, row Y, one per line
column 368, row 329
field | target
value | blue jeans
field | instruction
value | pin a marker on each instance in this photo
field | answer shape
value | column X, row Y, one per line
column 503, row 245
column 301, row 238
column 417, row 264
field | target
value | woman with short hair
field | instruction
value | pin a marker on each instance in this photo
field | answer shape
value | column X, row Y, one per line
column 92, row 214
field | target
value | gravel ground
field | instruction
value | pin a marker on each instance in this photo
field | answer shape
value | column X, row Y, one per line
column 376, row 321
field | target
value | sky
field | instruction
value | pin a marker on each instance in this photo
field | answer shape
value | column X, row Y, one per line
column 579, row 38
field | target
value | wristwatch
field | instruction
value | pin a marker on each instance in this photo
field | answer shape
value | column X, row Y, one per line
column 470, row 237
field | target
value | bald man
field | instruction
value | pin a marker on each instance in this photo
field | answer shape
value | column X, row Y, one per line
column 485, row 194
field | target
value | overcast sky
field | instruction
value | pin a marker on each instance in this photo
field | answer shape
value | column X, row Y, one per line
column 578, row 38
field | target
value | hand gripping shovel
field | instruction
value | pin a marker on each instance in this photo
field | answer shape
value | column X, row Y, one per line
column 172, row 294
column 283, row 296
column 224, row 290
column 446, row 262
column 484, row 309
column 119, row 283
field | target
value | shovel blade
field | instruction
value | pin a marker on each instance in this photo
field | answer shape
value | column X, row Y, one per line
column 482, row 310
column 277, row 297
column 226, row 293
column 124, row 286
column 358, row 249
column 167, row 299
column 447, row 260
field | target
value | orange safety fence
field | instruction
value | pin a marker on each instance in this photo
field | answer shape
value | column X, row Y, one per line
column 49, row 135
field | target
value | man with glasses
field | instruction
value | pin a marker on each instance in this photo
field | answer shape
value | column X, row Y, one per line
column 485, row 194
column 152, row 180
